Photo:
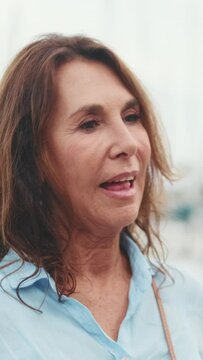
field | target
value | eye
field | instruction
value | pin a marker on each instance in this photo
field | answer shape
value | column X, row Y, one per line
column 132, row 118
column 89, row 124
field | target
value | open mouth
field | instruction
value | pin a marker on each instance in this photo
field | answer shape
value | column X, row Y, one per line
column 119, row 185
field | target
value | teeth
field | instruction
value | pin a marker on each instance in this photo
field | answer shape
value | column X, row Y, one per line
column 127, row 178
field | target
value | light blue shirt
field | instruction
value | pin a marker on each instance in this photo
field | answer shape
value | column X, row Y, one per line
column 68, row 330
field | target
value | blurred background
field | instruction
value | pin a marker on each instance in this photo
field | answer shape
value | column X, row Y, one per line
column 162, row 42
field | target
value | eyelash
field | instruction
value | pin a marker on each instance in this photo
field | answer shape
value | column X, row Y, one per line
column 135, row 117
column 89, row 124
column 92, row 123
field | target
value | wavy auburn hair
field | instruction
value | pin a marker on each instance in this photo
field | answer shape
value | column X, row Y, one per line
column 27, row 101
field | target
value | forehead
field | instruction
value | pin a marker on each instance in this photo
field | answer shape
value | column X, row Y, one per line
column 81, row 82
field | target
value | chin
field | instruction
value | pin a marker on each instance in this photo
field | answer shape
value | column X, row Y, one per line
column 122, row 218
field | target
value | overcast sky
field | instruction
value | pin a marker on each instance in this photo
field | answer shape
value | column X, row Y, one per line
column 161, row 40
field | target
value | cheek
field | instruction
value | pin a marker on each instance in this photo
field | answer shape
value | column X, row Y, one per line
column 84, row 152
column 78, row 165
column 63, row 156
column 144, row 149
column 147, row 150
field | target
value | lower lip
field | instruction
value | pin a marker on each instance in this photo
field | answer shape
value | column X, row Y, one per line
column 121, row 194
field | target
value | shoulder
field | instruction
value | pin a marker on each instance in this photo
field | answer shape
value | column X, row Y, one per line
column 182, row 297
column 180, row 287
column 21, row 283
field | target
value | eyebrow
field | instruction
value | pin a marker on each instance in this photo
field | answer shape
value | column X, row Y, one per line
column 95, row 108
column 129, row 104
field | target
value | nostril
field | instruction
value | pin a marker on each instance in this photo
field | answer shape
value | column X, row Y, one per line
column 122, row 154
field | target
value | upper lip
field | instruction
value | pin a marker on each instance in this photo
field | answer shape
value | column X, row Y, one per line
column 122, row 176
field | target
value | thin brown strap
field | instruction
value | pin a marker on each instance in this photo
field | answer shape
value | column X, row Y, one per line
column 164, row 321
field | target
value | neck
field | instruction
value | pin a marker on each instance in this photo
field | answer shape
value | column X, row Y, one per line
column 95, row 261
column 93, row 256
column 102, row 278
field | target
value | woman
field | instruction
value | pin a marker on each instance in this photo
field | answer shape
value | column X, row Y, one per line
column 82, row 164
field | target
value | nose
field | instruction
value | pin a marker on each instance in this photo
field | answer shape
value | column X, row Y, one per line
column 123, row 141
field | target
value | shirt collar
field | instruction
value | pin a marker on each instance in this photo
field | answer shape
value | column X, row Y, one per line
column 19, row 270
column 141, row 268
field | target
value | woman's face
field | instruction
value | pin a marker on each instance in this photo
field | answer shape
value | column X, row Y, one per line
column 98, row 147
